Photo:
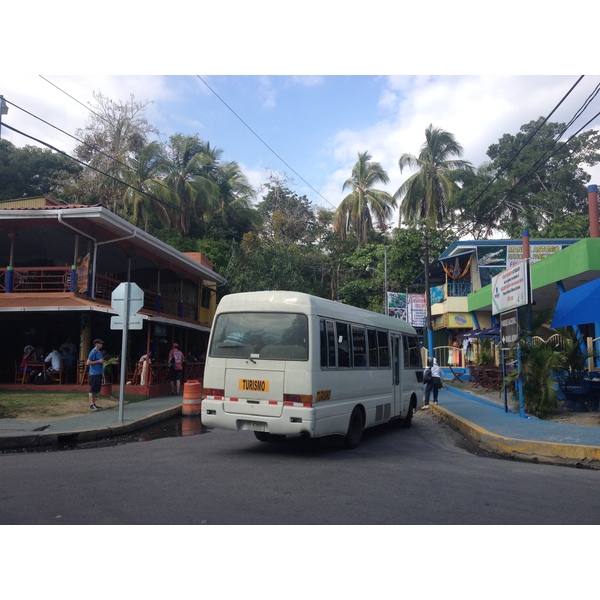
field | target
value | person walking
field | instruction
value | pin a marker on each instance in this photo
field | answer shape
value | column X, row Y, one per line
column 95, row 362
column 176, row 359
column 432, row 376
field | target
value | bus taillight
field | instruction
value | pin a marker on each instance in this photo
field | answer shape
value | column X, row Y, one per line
column 215, row 392
column 305, row 399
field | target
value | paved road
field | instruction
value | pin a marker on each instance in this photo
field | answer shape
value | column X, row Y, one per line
column 423, row 475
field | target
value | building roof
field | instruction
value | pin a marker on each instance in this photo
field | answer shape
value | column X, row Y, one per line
column 50, row 231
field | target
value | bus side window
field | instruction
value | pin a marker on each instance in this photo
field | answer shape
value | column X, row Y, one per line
column 343, row 344
column 330, row 334
column 414, row 354
column 406, row 350
column 373, row 354
column 384, row 349
column 359, row 349
column 323, row 336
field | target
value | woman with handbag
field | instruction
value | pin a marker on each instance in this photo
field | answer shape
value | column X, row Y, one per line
column 432, row 377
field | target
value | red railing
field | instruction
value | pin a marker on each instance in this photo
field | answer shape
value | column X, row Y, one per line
column 42, row 279
column 58, row 279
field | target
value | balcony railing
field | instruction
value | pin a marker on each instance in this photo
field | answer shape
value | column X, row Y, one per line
column 58, row 279
column 459, row 290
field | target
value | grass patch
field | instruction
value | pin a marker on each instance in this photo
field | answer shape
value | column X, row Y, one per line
column 36, row 405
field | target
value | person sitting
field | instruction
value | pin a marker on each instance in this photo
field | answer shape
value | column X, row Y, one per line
column 28, row 357
column 70, row 361
column 54, row 359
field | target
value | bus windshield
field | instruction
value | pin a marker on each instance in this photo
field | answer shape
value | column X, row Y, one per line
column 275, row 336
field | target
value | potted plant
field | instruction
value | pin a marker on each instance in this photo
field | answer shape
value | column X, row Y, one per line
column 573, row 378
column 106, row 388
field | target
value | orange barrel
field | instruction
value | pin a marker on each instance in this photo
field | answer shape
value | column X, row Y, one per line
column 192, row 398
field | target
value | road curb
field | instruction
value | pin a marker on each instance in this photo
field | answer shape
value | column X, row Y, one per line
column 531, row 450
column 11, row 440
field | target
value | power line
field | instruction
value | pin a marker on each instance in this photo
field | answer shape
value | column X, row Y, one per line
column 527, row 142
column 116, row 160
column 262, row 141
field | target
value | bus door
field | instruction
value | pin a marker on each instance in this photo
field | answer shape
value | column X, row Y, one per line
column 397, row 361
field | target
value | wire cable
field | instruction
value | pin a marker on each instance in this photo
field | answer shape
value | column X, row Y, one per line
column 262, row 141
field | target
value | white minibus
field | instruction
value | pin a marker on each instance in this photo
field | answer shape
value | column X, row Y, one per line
column 287, row 363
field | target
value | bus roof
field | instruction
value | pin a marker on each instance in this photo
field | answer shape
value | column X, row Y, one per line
column 287, row 301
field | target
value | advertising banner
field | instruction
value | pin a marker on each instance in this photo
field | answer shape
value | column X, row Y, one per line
column 510, row 289
column 410, row 307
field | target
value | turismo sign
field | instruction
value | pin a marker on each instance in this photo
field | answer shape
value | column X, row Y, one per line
column 510, row 289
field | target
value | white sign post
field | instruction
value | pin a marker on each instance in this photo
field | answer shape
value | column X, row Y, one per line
column 126, row 300
column 510, row 289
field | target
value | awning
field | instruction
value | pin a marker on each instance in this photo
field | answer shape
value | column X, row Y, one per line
column 57, row 302
column 578, row 306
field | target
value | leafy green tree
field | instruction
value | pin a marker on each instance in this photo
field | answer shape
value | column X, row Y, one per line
column 32, row 171
column 426, row 193
column 364, row 204
column 534, row 181
column 286, row 217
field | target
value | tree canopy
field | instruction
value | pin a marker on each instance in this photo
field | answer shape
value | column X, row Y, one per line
column 183, row 192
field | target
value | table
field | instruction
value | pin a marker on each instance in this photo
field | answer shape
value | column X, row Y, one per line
column 33, row 365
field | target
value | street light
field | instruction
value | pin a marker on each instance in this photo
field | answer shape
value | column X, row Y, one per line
column 3, row 111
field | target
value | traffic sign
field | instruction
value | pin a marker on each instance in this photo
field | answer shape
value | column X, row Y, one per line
column 118, row 322
column 135, row 295
column 509, row 328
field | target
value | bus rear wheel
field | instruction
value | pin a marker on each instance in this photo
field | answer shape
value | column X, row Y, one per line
column 407, row 421
column 263, row 436
column 355, row 429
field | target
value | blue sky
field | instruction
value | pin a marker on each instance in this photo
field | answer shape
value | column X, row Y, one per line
column 309, row 128
column 306, row 83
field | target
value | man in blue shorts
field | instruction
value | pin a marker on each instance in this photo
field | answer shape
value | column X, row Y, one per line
column 95, row 362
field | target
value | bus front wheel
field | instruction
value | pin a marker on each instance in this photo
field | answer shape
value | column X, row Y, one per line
column 355, row 429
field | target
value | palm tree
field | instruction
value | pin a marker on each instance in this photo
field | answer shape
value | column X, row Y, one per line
column 364, row 203
column 189, row 184
column 232, row 209
column 426, row 193
column 142, row 176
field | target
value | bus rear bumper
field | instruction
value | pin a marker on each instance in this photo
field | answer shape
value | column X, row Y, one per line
column 293, row 421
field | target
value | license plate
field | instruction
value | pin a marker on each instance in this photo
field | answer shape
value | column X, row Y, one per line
column 253, row 426
column 253, row 385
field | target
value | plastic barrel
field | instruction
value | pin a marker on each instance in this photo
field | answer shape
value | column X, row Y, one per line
column 192, row 398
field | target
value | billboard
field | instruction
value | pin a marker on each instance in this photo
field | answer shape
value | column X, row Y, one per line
column 510, row 288
column 410, row 307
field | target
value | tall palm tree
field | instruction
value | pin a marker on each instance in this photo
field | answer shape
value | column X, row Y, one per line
column 144, row 170
column 426, row 193
column 189, row 184
column 364, row 203
column 232, row 209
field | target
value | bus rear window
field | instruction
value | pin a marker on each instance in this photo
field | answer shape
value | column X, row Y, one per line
column 274, row 336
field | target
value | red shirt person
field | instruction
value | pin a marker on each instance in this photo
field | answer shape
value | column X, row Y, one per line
column 176, row 360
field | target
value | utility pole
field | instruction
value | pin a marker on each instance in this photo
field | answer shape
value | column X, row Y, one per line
column 3, row 111
column 428, row 297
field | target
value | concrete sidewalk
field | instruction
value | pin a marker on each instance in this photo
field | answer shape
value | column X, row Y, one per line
column 18, row 433
column 488, row 425
column 483, row 422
